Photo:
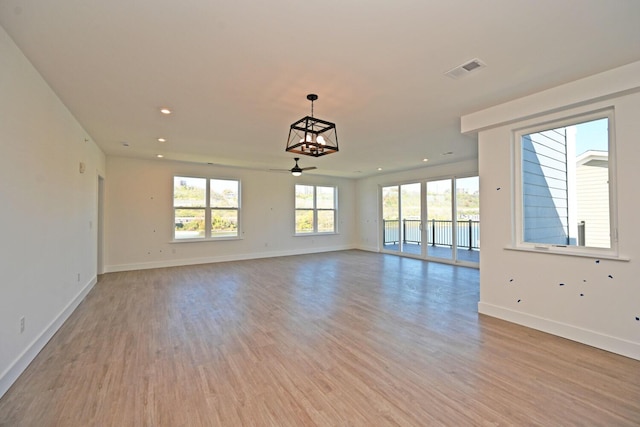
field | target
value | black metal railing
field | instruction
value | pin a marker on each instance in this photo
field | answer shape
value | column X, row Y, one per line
column 439, row 232
column 411, row 231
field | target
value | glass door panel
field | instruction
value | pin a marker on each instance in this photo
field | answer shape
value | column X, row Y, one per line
column 391, row 218
column 440, row 232
column 468, row 219
column 410, row 216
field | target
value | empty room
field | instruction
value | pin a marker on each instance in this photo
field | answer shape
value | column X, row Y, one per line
column 406, row 213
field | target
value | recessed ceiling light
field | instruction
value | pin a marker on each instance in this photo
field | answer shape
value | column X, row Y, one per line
column 425, row 160
column 448, row 153
column 162, row 140
column 159, row 156
column 125, row 144
column 379, row 169
column 165, row 110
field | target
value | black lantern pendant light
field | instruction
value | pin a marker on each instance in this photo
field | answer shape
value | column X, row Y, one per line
column 311, row 136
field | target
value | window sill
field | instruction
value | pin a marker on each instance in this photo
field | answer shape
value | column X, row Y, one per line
column 314, row 234
column 202, row 240
column 566, row 251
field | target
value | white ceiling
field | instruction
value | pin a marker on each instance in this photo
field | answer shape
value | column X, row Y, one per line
column 236, row 73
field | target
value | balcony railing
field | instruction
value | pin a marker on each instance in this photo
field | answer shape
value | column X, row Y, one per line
column 439, row 232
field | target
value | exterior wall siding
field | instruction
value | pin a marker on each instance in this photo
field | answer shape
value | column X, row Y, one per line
column 592, row 181
column 544, row 181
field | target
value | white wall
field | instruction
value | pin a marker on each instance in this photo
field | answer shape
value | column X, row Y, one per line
column 524, row 287
column 48, row 212
column 139, row 215
column 368, row 196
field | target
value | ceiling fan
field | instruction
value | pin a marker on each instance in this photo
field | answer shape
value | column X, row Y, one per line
column 296, row 170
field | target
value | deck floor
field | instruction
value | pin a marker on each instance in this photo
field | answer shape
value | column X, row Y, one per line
column 443, row 252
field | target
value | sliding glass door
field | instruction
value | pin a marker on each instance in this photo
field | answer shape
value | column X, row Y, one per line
column 410, row 219
column 439, row 219
column 449, row 229
column 391, row 218
column 402, row 218
column 467, row 208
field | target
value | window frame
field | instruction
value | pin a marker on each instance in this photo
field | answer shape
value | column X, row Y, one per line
column 518, row 220
column 315, row 209
column 208, row 208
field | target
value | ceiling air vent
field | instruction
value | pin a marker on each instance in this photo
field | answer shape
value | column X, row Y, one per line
column 465, row 69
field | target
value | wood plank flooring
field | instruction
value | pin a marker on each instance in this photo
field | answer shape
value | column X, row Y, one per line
column 346, row 338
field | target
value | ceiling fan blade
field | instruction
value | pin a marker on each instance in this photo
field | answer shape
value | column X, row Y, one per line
column 309, row 168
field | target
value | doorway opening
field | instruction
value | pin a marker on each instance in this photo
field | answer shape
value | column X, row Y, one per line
column 100, row 227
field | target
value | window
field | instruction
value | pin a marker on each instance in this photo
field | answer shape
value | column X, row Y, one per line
column 205, row 208
column 566, row 184
column 315, row 209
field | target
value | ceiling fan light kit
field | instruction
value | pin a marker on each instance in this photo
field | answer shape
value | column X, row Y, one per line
column 297, row 170
column 311, row 136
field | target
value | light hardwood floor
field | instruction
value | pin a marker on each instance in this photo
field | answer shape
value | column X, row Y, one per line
column 337, row 339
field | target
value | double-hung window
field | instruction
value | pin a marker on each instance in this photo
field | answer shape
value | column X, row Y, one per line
column 205, row 208
column 565, row 185
column 315, row 209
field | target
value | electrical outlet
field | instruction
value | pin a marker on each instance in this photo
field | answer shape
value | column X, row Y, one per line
column 22, row 324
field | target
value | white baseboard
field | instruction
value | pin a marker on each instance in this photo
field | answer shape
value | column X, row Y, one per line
column 368, row 248
column 11, row 374
column 571, row 332
column 221, row 258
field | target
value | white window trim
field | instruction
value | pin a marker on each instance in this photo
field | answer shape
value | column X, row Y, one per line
column 207, row 212
column 315, row 209
column 517, row 210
